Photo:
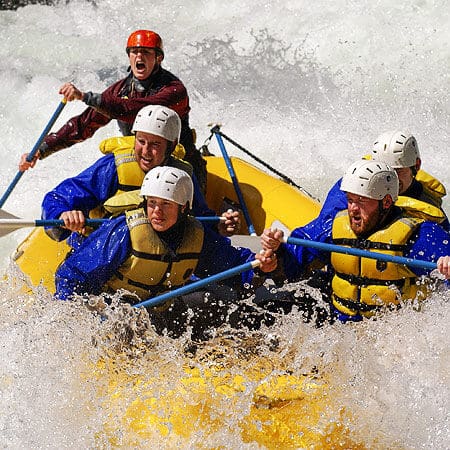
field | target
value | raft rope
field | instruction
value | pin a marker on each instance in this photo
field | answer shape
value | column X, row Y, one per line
column 216, row 130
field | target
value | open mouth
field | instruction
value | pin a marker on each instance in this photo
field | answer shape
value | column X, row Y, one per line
column 157, row 222
column 147, row 161
column 356, row 220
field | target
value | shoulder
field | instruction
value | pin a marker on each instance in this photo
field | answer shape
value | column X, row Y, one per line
column 180, row 164
column 433, row 232
column 430, row 235
column 165, row 78
column 102, row 165
column 118, row 85
column 165, row 74
column 117, row 224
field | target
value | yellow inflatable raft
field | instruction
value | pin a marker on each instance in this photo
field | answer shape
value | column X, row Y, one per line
column 252, row 401
column 277, row 407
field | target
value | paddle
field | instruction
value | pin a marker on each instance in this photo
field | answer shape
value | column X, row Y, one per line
column 363, row 253
column 154, row 301
column 290, row 240
column 10, row 223
column 35, row 149
column 251, row 228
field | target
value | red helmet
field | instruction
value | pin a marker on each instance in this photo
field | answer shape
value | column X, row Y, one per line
column 145, row 38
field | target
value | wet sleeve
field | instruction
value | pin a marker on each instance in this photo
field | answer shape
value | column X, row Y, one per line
column 75, row 130
column 86, row 191
column 95, row 261
column 218, row 255
column 297, row 259
column 335, row 202
column 428, row 244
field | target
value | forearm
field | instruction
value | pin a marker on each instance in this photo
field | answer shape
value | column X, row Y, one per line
column 88, row 269
column 77, row 129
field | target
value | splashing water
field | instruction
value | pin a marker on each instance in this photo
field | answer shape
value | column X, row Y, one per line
column 307, row 87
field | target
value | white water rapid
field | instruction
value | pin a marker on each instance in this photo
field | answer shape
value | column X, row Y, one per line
column 306, row 86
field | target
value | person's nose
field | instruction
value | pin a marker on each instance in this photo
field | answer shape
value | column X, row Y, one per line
column 353, row 206
column 146, row 149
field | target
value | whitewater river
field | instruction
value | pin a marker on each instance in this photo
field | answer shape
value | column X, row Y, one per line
column 306, row 86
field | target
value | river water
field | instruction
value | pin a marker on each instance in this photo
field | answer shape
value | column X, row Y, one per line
column 307, row 87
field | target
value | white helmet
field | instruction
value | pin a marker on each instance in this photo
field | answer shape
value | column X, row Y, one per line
column 159, row 120
column 372, row 179
column 397, row 149
column 168, row 183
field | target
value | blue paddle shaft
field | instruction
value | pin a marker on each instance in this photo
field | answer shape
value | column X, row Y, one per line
column 363, row 253
column 98, row 222
column 33, row 152
column 198, row 284
column 234, row 179
column 60, row 222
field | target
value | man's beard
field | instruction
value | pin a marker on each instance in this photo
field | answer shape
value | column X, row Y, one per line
column 365, row 226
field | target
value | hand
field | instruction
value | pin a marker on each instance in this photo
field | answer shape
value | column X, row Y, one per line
column 443, row 265
column 70, row 92
column 268, row 260
column 73, row 220
column 25, row 165
column 271, row 239
column 232, row 224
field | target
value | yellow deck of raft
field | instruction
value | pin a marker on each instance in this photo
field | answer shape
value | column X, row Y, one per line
column 258, row 405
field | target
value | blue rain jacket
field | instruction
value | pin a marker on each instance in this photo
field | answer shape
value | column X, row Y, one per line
column 428, row 243
column 99, row 256
column 92, row 188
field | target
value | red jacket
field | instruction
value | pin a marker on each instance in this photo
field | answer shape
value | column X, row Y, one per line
column 122, row 102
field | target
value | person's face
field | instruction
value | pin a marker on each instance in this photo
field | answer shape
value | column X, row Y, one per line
column 142, row 61
column 149, row 150
column 363, row 213
column 405, row 178
column 162, row 213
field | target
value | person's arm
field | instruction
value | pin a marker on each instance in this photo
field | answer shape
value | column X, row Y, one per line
column 75, row 130
column 97, row 259
column 81, row 193
column 170, row 92
column 293, row 261
column 429, row 243
column 335, row 202
column 218, row 255
column 81, row 127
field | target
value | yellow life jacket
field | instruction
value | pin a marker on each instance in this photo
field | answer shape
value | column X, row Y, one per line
column 116, row 143
column 420, row 209
column 433, row 189
column 129, row 174
column 153, row 267
column 362, row 285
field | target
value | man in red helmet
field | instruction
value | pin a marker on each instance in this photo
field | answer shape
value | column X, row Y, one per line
column 147, row 84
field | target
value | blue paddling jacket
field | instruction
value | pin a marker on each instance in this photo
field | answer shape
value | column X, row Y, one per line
column 90, row 189
column 100, row 255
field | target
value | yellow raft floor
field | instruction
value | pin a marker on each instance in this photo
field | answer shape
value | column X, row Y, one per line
column 273, row 409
